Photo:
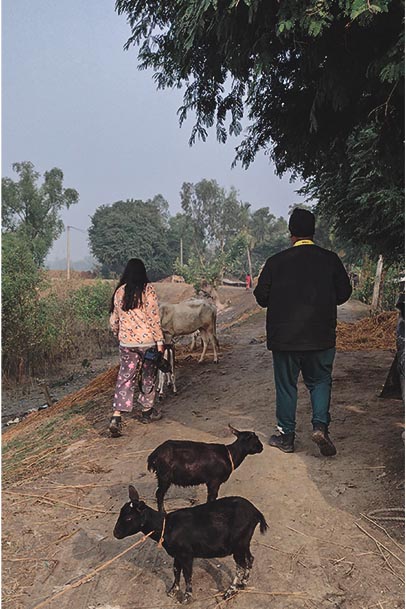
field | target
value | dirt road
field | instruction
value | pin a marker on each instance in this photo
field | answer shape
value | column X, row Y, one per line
column 319, row 551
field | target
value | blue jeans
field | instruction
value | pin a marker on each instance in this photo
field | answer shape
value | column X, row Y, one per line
column 316, row 368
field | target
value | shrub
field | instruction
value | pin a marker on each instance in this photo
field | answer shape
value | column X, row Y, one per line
column 28, row 331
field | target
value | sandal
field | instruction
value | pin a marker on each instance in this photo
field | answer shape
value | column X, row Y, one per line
column 115, row 426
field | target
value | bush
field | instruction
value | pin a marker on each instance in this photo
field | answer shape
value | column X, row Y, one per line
column 43, row 328
column 90, row 304
column 28, row 331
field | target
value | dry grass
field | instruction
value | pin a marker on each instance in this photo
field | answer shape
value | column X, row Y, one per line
column 369, row 334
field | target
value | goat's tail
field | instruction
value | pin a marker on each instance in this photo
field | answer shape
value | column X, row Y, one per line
column 263, row 525
column 151, row 461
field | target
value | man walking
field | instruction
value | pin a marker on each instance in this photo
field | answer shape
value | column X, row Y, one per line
column 301, row 288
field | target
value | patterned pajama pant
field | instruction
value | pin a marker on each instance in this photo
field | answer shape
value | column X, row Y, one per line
column 130, row 361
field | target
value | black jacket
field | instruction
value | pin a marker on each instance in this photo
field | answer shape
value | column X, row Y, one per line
column 301, row 288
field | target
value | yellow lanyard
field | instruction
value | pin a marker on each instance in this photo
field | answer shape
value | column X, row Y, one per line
column 304, row 242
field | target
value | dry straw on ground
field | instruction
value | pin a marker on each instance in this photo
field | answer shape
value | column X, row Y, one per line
column 369, row 334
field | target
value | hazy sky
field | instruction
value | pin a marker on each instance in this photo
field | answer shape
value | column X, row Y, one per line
column 73, row 99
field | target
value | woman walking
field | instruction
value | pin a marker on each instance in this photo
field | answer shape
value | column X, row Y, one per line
column 134, row 319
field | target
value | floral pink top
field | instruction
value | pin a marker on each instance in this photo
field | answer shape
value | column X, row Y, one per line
column 137, row 327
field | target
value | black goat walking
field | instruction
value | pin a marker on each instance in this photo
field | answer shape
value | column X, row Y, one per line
column 212, row 530
column 187, row 463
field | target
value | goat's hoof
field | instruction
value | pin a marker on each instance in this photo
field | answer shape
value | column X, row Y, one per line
column 187, row 598
column 229, row 593
column 175, row 593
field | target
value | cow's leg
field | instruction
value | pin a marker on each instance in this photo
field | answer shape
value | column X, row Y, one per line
column 194, row 342
column 205, row 340
column 214, row 342
column 172, row 372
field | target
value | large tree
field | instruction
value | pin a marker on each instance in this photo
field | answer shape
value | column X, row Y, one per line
column 321, row 83
column 215, row 215
column 32, row 210
column 131, row 229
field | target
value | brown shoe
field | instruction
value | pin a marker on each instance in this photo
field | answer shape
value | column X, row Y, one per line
column 322, row 439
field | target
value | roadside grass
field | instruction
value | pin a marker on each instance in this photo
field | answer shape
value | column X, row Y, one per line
column 36, row 450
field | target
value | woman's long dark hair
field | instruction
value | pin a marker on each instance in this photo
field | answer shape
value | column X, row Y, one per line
column 135, row 279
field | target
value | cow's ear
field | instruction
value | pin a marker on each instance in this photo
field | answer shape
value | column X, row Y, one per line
column 235, row 431
column 133, row 494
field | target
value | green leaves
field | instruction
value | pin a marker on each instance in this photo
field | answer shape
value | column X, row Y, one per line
column 307, row 74
column 131, row 229
column 32, row 210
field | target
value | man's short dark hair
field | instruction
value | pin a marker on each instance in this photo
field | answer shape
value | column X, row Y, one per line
column 302, row 223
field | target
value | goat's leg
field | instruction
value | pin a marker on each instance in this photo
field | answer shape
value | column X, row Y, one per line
column 161, row 382
column 205, row 341
column 249, row 558
column 187, row 568
column 175, row 588
column 163, row 486
column 212, row 490
column 241, row 576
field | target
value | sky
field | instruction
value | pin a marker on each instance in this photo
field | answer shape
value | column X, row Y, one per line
column 74, row 99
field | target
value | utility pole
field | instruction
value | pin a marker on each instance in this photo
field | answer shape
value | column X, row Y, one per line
column 377, row 284
column 249, row 262
column 181, row 251
column 68, row 252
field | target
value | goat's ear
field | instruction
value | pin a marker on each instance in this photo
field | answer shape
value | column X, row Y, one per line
column 133, row 494
column 235, row 431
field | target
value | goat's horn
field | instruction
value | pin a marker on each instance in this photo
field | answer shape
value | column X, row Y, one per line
column 235, row 431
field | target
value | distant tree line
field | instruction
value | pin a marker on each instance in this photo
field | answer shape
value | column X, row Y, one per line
column 214, row 234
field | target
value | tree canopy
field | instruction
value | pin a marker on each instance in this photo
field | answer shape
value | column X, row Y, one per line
column 32, row 211
column 321, row 84
column 131, row 229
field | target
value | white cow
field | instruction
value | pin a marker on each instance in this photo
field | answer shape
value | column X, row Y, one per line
column 188, row 316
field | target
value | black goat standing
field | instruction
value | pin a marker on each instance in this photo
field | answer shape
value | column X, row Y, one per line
column 211, row 530
column 187, row 463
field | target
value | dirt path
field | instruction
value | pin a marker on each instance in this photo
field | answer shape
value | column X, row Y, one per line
column 313, row 556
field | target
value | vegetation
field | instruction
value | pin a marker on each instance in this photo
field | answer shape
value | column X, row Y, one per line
column 131, row 229
column 32, row 211
column 321, row 84
column 390, row 288
column 218, row 233
column 43, row 327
